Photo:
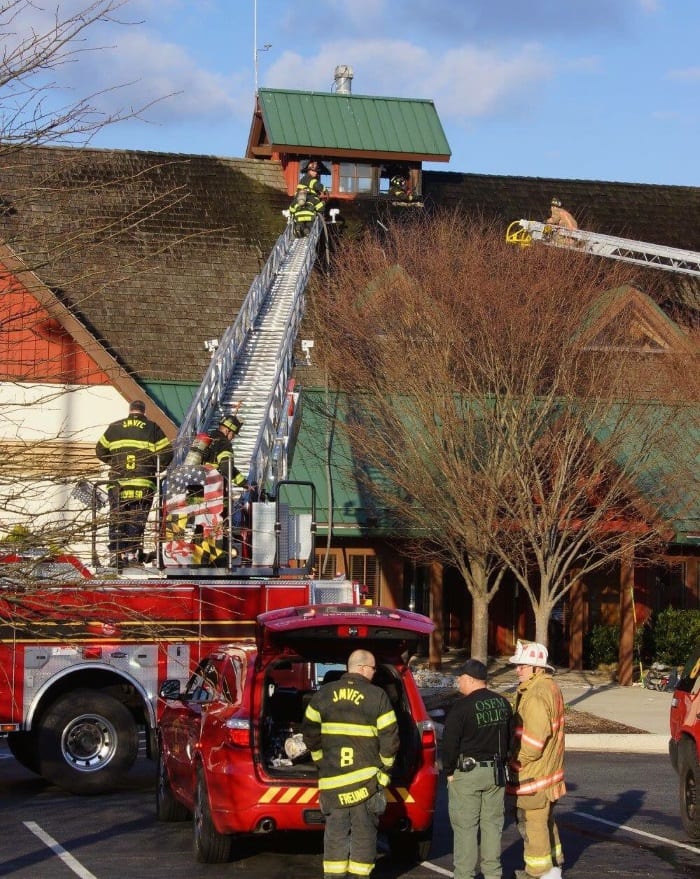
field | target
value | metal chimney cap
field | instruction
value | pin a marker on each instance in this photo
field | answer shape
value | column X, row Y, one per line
column 343, row 79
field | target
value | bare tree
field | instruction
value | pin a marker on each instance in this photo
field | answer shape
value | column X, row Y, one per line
column 483, row 421
column 61, row 211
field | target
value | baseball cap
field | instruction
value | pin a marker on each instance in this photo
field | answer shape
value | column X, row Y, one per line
column 474, row 668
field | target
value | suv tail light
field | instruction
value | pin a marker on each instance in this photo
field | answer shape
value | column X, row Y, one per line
column 238, row 731
column 426, row 728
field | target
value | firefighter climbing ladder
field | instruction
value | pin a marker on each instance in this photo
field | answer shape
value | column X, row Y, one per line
column 671, row 259
column 253, row 362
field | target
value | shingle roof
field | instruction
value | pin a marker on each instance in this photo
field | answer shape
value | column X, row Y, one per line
column 153, row 252
column 644, row 212
column 320, row 122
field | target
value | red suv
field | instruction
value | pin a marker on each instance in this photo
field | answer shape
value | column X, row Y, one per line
column 230, row 746
column 684, row 746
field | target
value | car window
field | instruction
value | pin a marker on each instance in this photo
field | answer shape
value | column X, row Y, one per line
column 690, row 679
column 232, row 680
column 203, row 684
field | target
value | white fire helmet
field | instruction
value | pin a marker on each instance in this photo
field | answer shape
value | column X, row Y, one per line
column 531, row 653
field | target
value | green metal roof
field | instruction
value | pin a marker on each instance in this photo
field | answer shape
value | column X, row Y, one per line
column 306, row 121
column 323, row 455
column 174, row 398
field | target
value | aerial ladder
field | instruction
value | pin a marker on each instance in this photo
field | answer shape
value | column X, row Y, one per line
column 249, row 375
column 656, row 256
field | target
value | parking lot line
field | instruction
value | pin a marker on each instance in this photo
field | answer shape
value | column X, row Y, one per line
column 59, row 851
column 686, row 846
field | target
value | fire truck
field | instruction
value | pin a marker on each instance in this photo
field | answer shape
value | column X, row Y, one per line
column 84, row 648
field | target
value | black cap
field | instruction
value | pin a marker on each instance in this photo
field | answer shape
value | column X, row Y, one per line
column 137, row 406
column 474, row 668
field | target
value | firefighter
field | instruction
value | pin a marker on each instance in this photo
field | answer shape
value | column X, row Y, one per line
column 400, row 188
column 136, row 450
column 351, row 731
column 309, row 200
column 560, row 217
column 219, row 452
column 537, row 761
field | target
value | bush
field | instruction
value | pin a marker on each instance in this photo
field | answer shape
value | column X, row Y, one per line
column 601, row 646
column 676, row 633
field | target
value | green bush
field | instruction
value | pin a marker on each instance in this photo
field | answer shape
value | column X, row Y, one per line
column 675, row 634
column 601, row 646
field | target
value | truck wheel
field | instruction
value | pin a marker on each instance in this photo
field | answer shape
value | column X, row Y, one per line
column 167, row 807
column 210, row 846
column 87, row 741
column 23, row 748
column 411, row 848
column 689, row 789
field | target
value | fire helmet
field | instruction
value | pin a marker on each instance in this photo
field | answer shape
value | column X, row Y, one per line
column 231, row 422
column 531, row 653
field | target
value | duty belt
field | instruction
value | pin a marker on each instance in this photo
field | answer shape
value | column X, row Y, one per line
column 466, row 764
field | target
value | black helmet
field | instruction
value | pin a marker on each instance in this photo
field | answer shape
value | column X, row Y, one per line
column 231, row 422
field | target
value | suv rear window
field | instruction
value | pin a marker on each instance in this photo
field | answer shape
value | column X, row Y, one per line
column 691, row 672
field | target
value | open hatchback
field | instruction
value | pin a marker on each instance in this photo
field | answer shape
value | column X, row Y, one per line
column 231, row 750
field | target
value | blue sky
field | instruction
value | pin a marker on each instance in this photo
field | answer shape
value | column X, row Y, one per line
column 591, row 89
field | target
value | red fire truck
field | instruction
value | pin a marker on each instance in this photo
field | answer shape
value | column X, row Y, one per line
column 82, row 657
column 83, row 652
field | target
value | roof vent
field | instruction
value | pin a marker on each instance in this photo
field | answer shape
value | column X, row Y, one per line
column 343, row 79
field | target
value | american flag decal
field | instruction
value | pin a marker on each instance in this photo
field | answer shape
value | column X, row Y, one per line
column 193, row 515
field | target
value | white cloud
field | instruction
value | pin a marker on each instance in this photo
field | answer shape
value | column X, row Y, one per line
column 689, row 74
column 464, row 82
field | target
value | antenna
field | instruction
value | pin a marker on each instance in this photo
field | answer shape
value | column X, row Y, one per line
column 257, row 51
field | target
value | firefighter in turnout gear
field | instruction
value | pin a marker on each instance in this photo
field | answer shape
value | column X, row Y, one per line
column 351, row 731
column 537, row 761
column 219, row 452
column 309, row 200
column 135, row 449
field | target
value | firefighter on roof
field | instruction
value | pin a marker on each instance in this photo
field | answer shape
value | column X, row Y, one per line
column 135, row 449
column 309, row 200
column 352, row 733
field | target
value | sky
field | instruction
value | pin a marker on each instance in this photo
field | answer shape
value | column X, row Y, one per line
column 583, row 89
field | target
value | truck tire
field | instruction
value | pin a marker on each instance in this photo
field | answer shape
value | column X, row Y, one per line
column 23, row 748
column 210, row 846
column 167, row 807
column 410, row 848
column 87, row 741
column 689, row 788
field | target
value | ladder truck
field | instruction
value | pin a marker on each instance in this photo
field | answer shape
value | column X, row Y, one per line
column 83, row 652
column 655, row 256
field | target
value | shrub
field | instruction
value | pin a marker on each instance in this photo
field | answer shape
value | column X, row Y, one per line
column 676, row 633
column 601, row 646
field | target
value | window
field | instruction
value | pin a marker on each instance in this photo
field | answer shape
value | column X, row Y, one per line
column 328, row 570
column 365, row 570
column 354, row 177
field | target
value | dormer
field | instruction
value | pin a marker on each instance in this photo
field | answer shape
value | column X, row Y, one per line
column 361, row 140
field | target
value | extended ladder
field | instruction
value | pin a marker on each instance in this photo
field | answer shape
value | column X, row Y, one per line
column 253, row 362
column 670, row 259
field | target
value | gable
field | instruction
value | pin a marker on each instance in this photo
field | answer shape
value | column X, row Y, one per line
column 627, row 318
column 35, row 346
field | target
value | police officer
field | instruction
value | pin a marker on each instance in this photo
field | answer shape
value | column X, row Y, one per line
column 351, row 730
column 135, row 449
column 474, row 755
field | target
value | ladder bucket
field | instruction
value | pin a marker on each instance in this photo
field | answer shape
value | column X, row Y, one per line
column 515, row 234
